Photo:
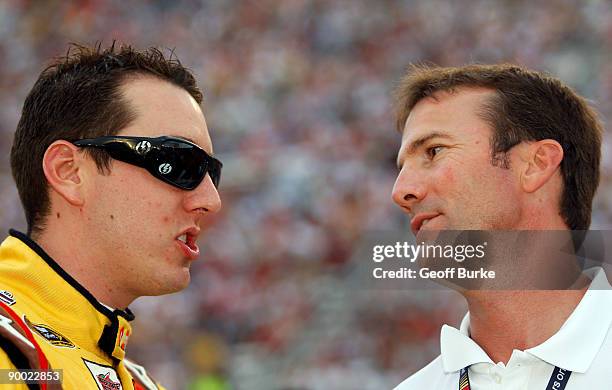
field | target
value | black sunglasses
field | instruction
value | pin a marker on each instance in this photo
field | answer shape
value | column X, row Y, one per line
column 175, row 161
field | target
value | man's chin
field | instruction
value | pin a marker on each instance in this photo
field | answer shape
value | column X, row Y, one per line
column 182, row 281
column 169, row 285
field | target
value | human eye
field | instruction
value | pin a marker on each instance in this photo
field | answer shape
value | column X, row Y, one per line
column 433, row 151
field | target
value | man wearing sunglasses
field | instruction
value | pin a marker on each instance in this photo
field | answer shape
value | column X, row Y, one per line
column 114, row 166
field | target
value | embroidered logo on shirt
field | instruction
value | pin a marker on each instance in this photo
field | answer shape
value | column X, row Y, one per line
column 105, row 376
column 124, row 334
column 107, row 383
column 7, row 297
column 52, row 336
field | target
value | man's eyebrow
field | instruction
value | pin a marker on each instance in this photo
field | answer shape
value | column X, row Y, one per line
column 418, row 143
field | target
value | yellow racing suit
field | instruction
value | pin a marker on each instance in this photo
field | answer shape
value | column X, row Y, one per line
column 49, row 321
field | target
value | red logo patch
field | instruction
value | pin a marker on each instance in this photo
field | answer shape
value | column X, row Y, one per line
column 107, row 383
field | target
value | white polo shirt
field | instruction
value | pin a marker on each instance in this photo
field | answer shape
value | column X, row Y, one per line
column 583, row 345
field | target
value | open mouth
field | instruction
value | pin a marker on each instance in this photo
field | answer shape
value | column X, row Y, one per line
column 421, row 220
column 186, row 242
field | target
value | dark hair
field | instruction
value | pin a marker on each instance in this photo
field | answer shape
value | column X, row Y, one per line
column 79, row 96
column 527, row 106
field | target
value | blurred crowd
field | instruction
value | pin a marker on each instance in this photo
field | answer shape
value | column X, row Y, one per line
column 298, row 98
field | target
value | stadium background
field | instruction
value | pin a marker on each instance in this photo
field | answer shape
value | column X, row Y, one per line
column 298, row 100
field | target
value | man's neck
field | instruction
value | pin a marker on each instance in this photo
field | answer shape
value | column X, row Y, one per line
column 502, row 321
column 76, row 258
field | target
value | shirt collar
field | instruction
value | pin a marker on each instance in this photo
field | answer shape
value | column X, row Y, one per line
column 584, row 331
column 458, row 349
column 580, row 334
column 107, row 329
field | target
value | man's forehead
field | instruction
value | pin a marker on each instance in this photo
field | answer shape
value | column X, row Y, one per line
column 162, row 108
column 446, row 110
column 159, row 99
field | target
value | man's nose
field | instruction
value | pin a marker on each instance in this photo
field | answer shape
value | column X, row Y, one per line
column 204, row 198
column 409, row 189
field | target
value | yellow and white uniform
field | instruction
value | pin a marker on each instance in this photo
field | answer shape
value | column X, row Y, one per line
column 70, row 328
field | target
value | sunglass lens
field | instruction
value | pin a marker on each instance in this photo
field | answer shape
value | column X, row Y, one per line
column 183, row 166
column 214, row 170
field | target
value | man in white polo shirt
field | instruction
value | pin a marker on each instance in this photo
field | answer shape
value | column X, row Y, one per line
column 499, row 147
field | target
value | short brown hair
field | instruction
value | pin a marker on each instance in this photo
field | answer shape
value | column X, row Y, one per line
column 78, row 96
column 527, row 106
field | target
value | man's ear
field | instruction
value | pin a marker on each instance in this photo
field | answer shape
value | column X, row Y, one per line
column 62, row 167
column 543, row 159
